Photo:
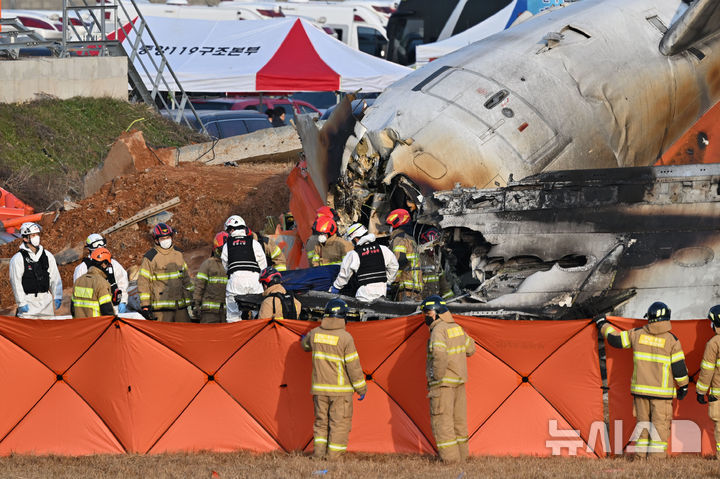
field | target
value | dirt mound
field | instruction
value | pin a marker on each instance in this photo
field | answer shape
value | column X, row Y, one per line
column 208, row 194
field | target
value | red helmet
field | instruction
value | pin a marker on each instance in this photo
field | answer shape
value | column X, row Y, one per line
column 270, row 276
column 161, row 229
column 100, row 254
column 327, row 212
column 431, row 234
column 398, row 217
column 220, row 239
column 325, row 225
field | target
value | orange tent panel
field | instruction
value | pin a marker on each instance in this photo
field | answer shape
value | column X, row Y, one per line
column 24, row 381
column 375, row 341
column 42, row 338
column 380, row 425
column 521, row 426
column 61, row 423
column 214, row 421
column 207, row 346
column 135, row 384
column 270, row 377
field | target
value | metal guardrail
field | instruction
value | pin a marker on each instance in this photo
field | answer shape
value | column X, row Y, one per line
column 15, row 36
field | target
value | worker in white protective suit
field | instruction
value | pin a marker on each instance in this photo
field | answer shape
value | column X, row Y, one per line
column 116, row 274
column 34, row 276
column 243, row 258
column 373, row 264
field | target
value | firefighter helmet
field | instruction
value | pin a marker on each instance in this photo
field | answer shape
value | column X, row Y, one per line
column 325, row 225
column 434, row 302
column 714, row 315
column 398, row 217
column 234, row 221
column 220, row 239
column 658, row 311
column 161, row 230
column 356, row 230
column 326, row 211
column 336, row 308
column 270, row 276
column 100, row 255
column 94, row 241
column 27, row 229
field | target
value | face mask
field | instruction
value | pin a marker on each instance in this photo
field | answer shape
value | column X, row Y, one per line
column 165, row 243
column 237, row 233
column 322, row 239
column 35, row 241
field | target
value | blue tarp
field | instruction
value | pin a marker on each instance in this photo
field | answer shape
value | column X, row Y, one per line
column 311, row 279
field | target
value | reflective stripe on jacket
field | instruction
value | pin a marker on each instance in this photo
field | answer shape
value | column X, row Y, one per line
column 336, row 364
column 91, row 295
column 163, row 281
column 409, row 275
column 657, row 357
column 447, row 352
column 210, row 284
column 331, row 252
column 709, row 378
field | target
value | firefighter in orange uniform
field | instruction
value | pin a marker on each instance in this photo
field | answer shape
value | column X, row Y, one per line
column 447, row 352
column 709, row 379
column 278, row 303
column 330, row 248
column 336, row 375
column 657, row 354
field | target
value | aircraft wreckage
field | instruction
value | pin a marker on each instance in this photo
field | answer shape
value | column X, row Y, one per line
column 589, row 87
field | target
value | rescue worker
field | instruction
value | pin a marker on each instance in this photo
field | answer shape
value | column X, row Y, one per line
column 408, row 282
column 278, row 303
column 708, row 381
column 336, row 375
column 656, row 353
column 210, row 285
column 373, row 264
column 312, row 241
column 163, row 283
column 34, row 276
column 434, row 278
column 446, row 371
column 330, row 248
column 116, row 274
column 243, row 258
column 92, row 295
column 273, row 253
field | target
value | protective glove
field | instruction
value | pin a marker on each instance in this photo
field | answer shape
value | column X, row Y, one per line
column 599, row 321
column 334, row 290
column 712, row 399
column 362, row 396
column 682, row 392
column 122, row 308
column 146, row 313
column 58, row 303
column 23, row 309
column 701, row 398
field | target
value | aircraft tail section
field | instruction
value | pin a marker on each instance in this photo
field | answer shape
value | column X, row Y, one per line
column 700, row 21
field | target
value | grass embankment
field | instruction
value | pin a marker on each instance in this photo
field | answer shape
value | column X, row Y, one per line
column 47, row 145
column 280, row 465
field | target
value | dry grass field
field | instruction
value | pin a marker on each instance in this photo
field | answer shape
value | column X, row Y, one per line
column 279, row 465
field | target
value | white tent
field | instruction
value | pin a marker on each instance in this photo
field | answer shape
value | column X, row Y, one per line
column 279, row 55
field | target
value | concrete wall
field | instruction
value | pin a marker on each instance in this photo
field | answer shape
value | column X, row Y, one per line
column 23, row 80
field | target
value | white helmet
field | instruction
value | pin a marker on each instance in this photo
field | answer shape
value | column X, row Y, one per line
column 234, row 221
column 27, row 229
column 356, row 230
column 94, row 241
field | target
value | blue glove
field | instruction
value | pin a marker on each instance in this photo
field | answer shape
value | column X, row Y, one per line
column 58, row 303
column 302, row 337
column 23, row 309
column 122, row 308
column 334, row 290
column 362, row 396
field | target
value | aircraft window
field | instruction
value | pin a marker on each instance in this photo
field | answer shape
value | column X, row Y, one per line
column 496, row 99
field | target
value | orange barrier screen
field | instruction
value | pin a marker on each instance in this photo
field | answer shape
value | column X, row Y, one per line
column 692, row 429
column 101, row 385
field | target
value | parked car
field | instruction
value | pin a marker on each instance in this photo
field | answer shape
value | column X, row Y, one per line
column 291, row 107
column 223, row 124
column 358, row 108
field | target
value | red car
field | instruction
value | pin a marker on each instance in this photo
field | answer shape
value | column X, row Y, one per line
column 291, row 107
